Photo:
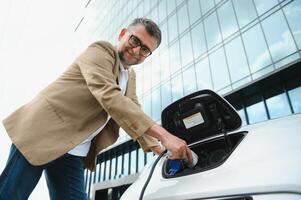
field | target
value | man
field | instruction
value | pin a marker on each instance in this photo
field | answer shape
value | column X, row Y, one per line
column 79, row 114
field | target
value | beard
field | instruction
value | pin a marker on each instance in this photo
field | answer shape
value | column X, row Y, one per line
column 123, row 59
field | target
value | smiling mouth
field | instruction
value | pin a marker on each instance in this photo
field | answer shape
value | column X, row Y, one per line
column 132, row 55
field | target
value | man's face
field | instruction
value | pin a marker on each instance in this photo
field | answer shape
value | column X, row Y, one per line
column 130, row 55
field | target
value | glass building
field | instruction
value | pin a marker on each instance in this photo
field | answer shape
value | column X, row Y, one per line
column 246, row 50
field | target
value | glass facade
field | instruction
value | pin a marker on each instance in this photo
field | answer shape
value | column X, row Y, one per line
column 223, row 45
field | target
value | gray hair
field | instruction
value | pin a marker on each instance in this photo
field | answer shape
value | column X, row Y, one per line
column 151, row 27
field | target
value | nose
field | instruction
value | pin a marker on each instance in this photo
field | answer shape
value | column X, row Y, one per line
column 136, row 50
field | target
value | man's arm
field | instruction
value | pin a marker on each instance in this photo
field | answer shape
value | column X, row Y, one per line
column 96, row 65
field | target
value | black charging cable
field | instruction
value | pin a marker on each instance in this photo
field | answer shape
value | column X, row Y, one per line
column 150, row 174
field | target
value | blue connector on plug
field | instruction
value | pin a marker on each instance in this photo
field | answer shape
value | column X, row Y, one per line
column 175, row 166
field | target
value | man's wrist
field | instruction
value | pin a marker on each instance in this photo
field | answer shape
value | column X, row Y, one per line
column 155, row 131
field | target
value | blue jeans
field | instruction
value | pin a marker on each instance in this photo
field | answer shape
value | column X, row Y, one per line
column 64, row 177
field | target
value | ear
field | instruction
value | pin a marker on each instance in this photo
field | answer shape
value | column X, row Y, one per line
column 122, row 33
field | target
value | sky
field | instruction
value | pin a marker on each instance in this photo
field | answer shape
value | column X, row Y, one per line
column 36, row 46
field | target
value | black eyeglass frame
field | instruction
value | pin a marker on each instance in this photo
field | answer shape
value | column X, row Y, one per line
column 134, row 42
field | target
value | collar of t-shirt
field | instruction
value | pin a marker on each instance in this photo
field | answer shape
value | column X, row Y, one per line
column 123, row 77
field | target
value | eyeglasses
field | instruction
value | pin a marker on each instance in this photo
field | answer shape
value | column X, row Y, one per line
column 135, row 42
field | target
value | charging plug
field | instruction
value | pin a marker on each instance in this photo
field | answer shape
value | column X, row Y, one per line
column 195, row 160
column 175, row 166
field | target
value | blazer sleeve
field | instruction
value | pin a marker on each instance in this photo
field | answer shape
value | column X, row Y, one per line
column 146, row 141
column 97, row 67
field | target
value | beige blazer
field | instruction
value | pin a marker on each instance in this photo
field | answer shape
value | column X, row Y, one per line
column 67, row 111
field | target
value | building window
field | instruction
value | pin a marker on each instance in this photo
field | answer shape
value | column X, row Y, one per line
column 175, row 59
column 140, row 159
column 194, row 11
column 198, row 40
column 279, row 37
column 177, row 87
column 183, row 18
column 219, row 69
column 212, row 30
column 172, row 27
column 147, row 104
column 134, row 161
column 257, row 52
column 186, row 49
column 256, row 110
column 245, row 12
column 203, row 74
column 166, row 94
column 278, row 106
column 262, row 6
column 206, row 5
column 156, row 104
column 237, row 60
column 227, row 19
column 119, row 166
column 126, row 163
column 189, row 80
column 293, row 15
column 295, row 96
column 164, row 65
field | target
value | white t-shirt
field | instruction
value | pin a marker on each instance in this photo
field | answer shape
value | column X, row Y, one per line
column 83, row 148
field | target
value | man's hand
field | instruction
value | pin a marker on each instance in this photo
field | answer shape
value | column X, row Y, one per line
column 177, row 147
column 157, row 149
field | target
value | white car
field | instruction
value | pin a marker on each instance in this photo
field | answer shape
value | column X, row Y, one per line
column 259, row 161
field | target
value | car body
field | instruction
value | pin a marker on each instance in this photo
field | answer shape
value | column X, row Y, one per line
column 264, row 164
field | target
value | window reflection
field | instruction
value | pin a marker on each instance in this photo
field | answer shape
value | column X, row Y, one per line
column 293, row 14
column 264, row 5
column 183, row 18
column 203, row 75
column 174, row 53
column 149, row 156
column 113, row 167
column 237, row 60
column 141, row 159
column 156, row 105
column 162, row 10
column 219, row 69
column 155, row 69
column 172, row 27
column 171, row 6
column 257, row 52
column 278, row 106
column 206, row 5
column 177, row 87
column 147, row 104
column 186, row 49
column 212, row 30
column 102, row 171
column 198, row 40
column 164, row 36
column 139, row 80
column 166, row 94
column 126, row 164
column 295, row 96
column 119, row 166
column 147, row 76
column 242, row 116
column 245, row 11
column 133, row 161
column 227, row 19
column 194, row 11
column 278, row 36
column 164, row 65
column 256, row 111
column 108, row 168
column 189, row 80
